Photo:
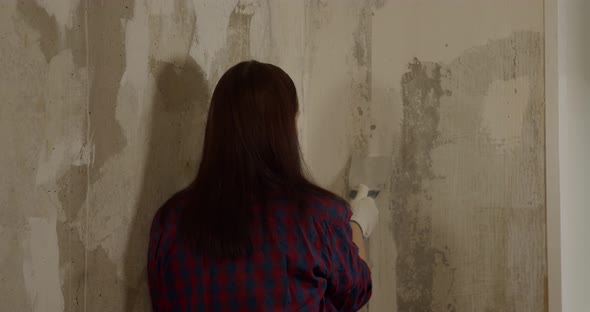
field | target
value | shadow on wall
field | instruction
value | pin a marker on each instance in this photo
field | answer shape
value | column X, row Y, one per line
column 179, row 111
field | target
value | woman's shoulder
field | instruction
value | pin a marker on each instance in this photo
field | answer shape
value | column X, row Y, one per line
column 167, row 216
column 329, row 208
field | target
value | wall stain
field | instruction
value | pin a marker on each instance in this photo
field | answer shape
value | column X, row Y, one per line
column 168, row 40
column 359, row 129
column 421, row 97
column 238, row 30
column 425, row 265
column 360, row 124
column 317, row 13
column 237, row 41
column 362, row 53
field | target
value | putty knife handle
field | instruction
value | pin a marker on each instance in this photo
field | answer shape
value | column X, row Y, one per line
column 362, row 191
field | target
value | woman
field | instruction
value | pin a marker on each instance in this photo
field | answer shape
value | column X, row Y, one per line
column 251, row 233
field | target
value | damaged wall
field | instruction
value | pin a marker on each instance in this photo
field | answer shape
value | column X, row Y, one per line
column 103, row 110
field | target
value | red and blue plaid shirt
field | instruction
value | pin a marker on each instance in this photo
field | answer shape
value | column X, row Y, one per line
column 299, row 266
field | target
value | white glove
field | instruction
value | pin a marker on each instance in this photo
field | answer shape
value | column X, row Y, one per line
column 364, row 210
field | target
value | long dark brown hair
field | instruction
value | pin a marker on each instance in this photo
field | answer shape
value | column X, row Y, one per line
column 250, row 151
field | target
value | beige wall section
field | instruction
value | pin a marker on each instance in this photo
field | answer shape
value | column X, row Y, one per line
column 468, row 194
column 104, row 103
column 573, row 48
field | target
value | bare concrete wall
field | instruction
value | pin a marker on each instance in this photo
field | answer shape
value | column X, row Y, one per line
column 103, row 110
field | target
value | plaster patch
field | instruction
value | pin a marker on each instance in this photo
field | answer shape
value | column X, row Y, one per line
column 44, row 23
column 13, row 291
column 55, row 158
column 136, row 56
column 62, row 10
column 65, row 119
column 71, row 231
column 41, row 268
column 106, row 55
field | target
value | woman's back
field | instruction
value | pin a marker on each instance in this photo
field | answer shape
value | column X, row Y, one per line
column 308, row 263
column 213, row 248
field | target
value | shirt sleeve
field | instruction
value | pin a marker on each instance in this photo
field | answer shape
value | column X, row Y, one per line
column 349, row 277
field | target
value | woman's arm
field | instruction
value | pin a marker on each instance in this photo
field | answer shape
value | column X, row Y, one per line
column 350, row 286
column 349, row 279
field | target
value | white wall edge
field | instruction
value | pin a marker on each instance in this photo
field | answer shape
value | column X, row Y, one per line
column 553, row 292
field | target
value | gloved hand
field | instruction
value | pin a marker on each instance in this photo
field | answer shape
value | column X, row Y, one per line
column 364, row 210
